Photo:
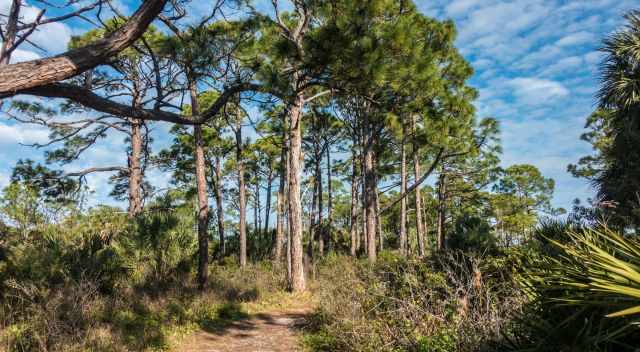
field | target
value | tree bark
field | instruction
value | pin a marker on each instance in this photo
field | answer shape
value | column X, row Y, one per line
column 353, row 224
column 416, row 172
column 320, row 225
column 442, row 190
column 288, row 212
column 403, row 190
column 219, row 206
column 280, row 202
column 370, row 198
column 135, row 170
column 328, row 231
column 256, row 209
column 363, row 192
column 425, row 218
column 10, row 32
column 298, row 283
column 242, row 197
column 267, row 210
column 201, row 190
column 35, row 73
column 365, row 236
column 379, row 220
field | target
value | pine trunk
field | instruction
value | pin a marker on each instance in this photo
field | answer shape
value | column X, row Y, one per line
column 370, row 200
column 353, row 223
column 298, row 283
column 320, row 225
column 10, row 32
column 242, row 201
column 328, row 229
column 403, row 190
column 267, row 210
column 280, row 204
column 135, row 170
column 416, row 173
column 219, row 207
column 201, row 190
column 442, row 190
column 379, row 221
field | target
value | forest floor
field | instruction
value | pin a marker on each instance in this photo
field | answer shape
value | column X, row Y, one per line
column 267, row 329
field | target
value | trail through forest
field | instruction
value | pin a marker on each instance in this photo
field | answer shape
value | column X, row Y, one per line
column 271, row 331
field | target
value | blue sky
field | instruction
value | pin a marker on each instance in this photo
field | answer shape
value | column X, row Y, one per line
column 535, row 68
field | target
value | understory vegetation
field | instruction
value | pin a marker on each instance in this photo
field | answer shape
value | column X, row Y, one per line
column 100, row 283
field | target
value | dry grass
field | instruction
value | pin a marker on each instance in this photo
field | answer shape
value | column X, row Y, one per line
column 452, row 303
column 78, row 317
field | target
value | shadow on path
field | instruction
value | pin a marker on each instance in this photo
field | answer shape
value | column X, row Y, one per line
column 275, row 331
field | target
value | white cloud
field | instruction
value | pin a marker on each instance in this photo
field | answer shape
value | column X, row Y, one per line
column 576, row 38
column 25, row 134
column 568, row 65
column 458, row 7
column 593, row 58
column 504, row 18
column 536, row 91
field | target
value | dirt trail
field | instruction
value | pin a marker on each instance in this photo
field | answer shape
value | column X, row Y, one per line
column 273, row 331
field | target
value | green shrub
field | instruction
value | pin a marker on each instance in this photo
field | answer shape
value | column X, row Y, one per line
column 585, row 293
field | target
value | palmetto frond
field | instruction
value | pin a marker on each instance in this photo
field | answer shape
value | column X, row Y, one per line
column 621, row 66
column 597, row 268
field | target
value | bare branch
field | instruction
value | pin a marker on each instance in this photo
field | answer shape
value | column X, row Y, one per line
column 85, row 172
column 76, row 13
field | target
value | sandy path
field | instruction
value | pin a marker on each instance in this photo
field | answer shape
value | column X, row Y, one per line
column 274, row 331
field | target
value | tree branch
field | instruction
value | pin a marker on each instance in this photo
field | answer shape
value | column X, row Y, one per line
column 417, row 183
column 30, row 74
column 94, row 101
column 85, row 172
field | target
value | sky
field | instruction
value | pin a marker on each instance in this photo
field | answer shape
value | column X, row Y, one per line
column 536, row 70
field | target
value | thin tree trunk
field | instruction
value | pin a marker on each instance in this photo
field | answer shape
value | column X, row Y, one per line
column 256, row 209
column 403, row 190
column 288, row 249
column 135, row 170
column 313, row 224
column 267, row 210
column 370, row 194
column 10, row 32
column 203, row 202
column 219, row 206
column 365, row 235
column 379, row 220
column 288, row 212
column 353, row 224
column 442, row 189
column 416, row 172
column 425, row 219
column 328, row 230
column 320, row 225
column 280, row 203
column 242, row 201
column 298, row 283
